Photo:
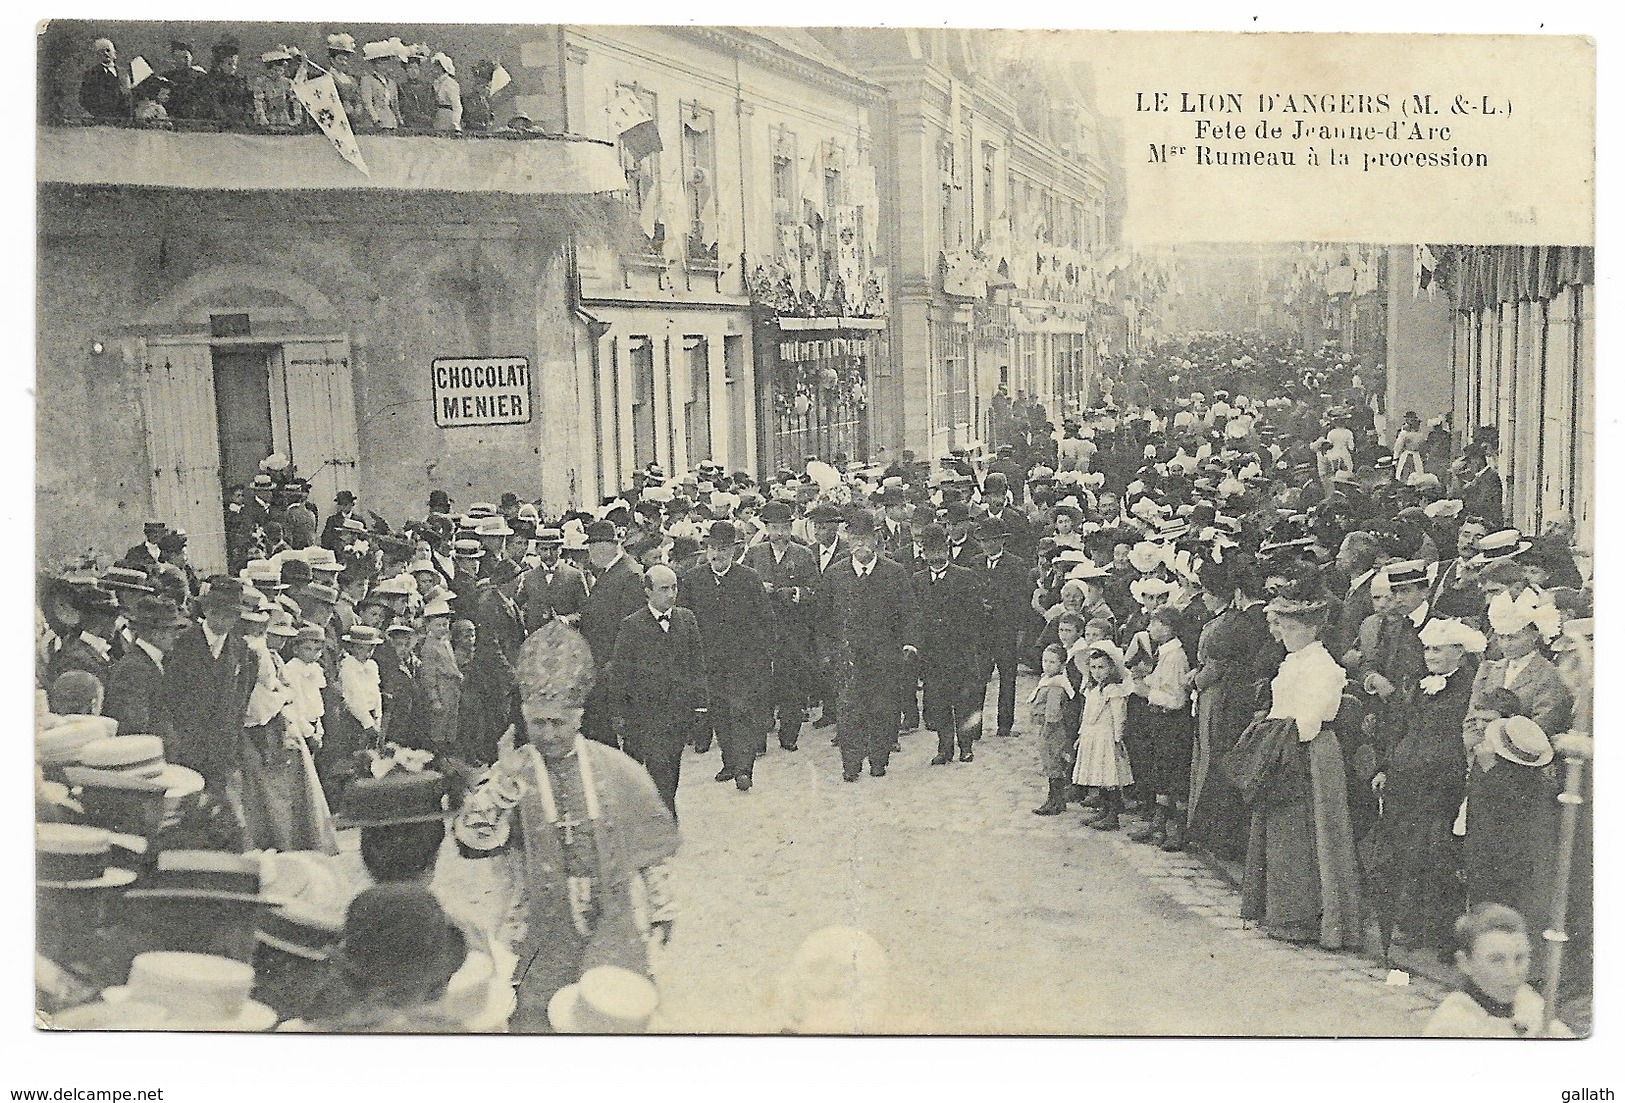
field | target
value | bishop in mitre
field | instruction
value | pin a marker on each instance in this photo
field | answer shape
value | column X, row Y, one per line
column 583, row 837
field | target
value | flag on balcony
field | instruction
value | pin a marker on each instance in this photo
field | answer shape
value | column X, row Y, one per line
column 320, row 98
column 632, row 125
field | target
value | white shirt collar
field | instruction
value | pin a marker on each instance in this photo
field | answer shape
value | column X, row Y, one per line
column 97, row 644
column 1418, row 616
column 863, row 569
column 152, row 550
column 1516, row 667
column 156, row 655
column 215, row 642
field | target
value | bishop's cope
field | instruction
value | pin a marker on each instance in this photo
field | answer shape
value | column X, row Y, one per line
column 583, row 835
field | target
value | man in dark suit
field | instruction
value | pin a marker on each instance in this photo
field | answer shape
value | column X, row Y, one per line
column 147, row 554
column 873, row 621
column 95, row 647
column 790, row 575
column 896, row 534
column 962, row 550
column 615, row 593
column 1356, row 561
column 208, row 676
column 1482, row 493
column 1007, row 593
column 657, row 683
column 1455, row 593
column 828, row 549
column 135, row 696
column 552, row 588
column 952, row 633
column 736, row 623
column 104, row 92
column 406, row 704
column 499, row 633
column 333, row 528
column 1003, row 506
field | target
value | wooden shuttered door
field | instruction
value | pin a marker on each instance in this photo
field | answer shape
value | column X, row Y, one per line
column 183, row 448
column 321, row 417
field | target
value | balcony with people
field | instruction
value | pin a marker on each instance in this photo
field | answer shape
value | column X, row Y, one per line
column 395, row 116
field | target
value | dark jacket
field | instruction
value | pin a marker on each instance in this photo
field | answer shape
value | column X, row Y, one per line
column 657, row 678
column 798, row 570
column 103, row 94
column 615, row 595
column 544, row 593
column 135, row 695
column 208, row 698
column 873, row 617
column 951, row 623
column 736, row 624
column 1008, row 590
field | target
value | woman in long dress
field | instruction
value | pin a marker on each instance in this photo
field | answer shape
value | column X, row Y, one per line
column 1301, row 878
column 1230, row 658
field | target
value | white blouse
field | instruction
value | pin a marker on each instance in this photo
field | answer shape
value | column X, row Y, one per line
column 1308, row 688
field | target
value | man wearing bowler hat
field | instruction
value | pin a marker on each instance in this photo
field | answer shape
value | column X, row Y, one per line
column 615, row 593
column 92, row 648
column 1007, row 597
column 552, row 588
column 147, row 553
column 333, row 529
column 135, row 684
column 873, row 621
column 736, row 627
column 790, row 575
column 208, row 676
column 951, row 636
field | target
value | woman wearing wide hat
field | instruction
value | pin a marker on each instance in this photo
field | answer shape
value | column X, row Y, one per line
column 1301, row 878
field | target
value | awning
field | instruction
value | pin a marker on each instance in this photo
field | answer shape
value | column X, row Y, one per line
column 268, row 162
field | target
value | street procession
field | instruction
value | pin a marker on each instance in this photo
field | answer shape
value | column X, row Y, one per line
column 529, row 545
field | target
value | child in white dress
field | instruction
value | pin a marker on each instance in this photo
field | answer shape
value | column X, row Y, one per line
column 1102, row 754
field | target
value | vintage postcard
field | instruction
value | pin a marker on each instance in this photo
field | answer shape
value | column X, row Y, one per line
column 749, row 530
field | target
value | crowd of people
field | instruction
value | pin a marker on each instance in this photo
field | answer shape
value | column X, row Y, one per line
column 385, row 87
column 1258, row 630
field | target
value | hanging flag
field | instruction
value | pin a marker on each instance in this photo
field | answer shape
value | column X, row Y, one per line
column 139, row 70
column 632, row 125
column 320, row 98
column 499, row 79
column 812, row 188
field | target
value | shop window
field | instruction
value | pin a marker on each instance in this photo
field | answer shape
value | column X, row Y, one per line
column 953, row 399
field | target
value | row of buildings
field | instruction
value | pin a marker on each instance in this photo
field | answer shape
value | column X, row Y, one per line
column 821, row 242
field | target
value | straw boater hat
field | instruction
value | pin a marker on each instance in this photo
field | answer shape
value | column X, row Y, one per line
column 74, row 856
column 398, row 797
column 363, row 633
column 1497, row 546
column 1519, row 740
column 196, row 991
column 142, row 756
column 204, row 875
column 606, row 1000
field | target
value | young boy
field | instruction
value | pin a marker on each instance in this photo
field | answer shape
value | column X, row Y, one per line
column 1169, row 731
column 1495, row 1001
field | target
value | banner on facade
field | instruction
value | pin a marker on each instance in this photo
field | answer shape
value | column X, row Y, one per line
column 474, row 391
column 320, row 97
